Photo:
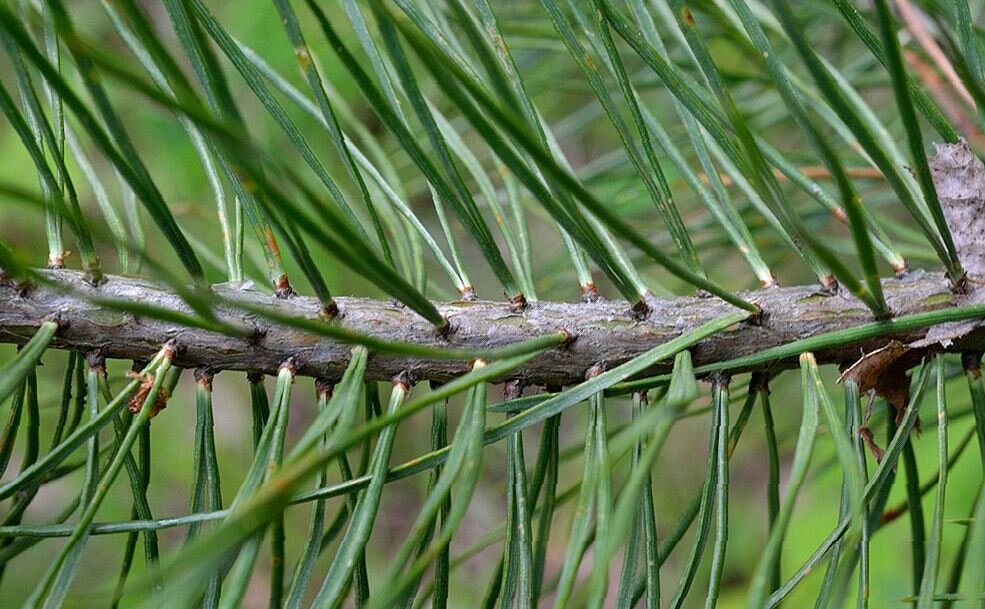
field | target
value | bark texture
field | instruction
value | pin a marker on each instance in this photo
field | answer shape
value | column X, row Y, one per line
column 606, row 332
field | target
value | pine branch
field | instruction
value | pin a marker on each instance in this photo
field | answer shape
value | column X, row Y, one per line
column 605, row 332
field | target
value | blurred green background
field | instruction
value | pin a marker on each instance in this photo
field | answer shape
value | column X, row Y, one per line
column 562, row 95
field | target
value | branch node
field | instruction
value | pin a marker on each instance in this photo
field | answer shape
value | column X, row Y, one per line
column 512, row 390
column 57, row 261
column 96, row 360
column 446, row 329
column 960, row 285
column 254, row 377
column 290, row 365
column 324, row 388
column 23, row 287
column 720, row 379
column 404, row 380
column 760, row 318
column 171, row 349
column 590, row 293
column 282, row 287
column 829, row 286
column 570, row 336
column 518, row 302
column 204, row 376
column 467, row 294
column 971, row 361
column 596, row 369
column 647, row 304
column 760, row 382
column 60, row 319
column 95, row 277
column 329, row 311
column 259, row 333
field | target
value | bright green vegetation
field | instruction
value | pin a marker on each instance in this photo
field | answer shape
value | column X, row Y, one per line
column 524, row 150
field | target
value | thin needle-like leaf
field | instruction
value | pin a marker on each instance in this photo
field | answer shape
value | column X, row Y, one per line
column 31, row 475
column 704, row 515
column 209, row 492
column 929, row 109
column 306, row 563
column 850, row 198
column 253, row 79
column 928, row 584
column 52, row 189
column 801, row 461
column 772, row 478
column 150, row 52
column 720, row 402
column 463, row 465
column 582, row 519
column 547, row 462
column 123, row 154
column 102, row 199
column 340, row 572
column 105, row 479
column 718, row 202
column 874, row 487
column 139, row 478
column 9, row 437
column 303, row 54
column 346, row 244
column 940, row 240
column 449, row 185
column 918, row 529
column 647, row 167
column 908, row 117
column 854, row 407
column 748, row 154
column 973, row 579
column 13, row 374
column 378, row 169
column 53, row 51
column 972, row 363
column 515, row 94
column 544, row 160
column 267, row 460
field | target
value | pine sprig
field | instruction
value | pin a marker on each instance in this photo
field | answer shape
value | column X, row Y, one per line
column 614, row 178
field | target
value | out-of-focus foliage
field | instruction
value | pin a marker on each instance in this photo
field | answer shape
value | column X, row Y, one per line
column 424, row 150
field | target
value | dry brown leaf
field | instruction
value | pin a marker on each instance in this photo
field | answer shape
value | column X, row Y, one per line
column 146, row 383
column 884, row 371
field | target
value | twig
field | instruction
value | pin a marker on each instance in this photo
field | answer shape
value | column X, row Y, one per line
column 605, row 331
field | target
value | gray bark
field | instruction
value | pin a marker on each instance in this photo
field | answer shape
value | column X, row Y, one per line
column 606, row 332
